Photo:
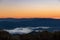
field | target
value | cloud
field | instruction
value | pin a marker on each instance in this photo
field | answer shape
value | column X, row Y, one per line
column 25, row 30
column 19, row 31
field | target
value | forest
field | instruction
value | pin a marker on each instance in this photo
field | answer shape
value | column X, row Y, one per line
column 44, row 35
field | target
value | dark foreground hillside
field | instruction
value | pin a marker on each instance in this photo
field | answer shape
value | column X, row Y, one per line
column 45, row 35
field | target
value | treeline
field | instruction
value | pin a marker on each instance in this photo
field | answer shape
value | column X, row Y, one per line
column 45, row 35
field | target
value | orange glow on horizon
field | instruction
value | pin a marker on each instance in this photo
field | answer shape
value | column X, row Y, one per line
column 29, row 13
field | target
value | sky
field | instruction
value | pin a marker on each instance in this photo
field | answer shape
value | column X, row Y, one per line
column 29, row 8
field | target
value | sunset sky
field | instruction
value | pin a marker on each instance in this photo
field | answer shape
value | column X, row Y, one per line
column 29, row 8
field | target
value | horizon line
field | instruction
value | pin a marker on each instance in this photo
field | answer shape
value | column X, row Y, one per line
column 27, row 18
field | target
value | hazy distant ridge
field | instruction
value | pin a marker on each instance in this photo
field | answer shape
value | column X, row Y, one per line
column 31, row 22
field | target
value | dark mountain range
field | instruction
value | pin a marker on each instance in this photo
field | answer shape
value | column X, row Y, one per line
column 8, row 23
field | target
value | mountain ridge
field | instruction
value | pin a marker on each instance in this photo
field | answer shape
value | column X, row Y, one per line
column 9, row 23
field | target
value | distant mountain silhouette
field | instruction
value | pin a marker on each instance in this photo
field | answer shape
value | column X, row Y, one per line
column 10, row 23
